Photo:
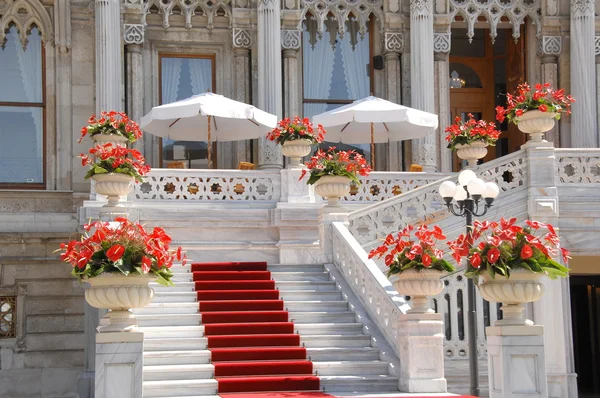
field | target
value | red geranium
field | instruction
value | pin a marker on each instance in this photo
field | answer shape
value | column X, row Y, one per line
column 463, row 133
column 126, row 248
column 112, row 122
column 115, row 159
column 403, row 252
column 544, row 99
column 296, row 129
column 332, row 163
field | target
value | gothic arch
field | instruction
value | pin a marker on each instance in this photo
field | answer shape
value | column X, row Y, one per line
column 341, row 10
column 25, row 15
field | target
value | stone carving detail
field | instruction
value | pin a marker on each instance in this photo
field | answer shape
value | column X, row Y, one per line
column 380, row 186
column 341, row 10
column 582, row 8
column 242, row 38
column 440, row 6
column 269, row 153
column 551, row 45
column 597, row 45
column 24, row 14
column 189, row 8
column 394, row 42
column 578, row 167
column 290, row 39
column 441, row 42
column 552, row 7
column 133, row 33
column 421, row 7
column 494, row 10
column 209, row 185
column 394, row 5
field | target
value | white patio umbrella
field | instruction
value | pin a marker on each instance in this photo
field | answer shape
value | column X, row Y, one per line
column 208, row 117
column 388, row 122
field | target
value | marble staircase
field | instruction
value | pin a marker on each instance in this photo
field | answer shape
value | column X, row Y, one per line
column 344, row 354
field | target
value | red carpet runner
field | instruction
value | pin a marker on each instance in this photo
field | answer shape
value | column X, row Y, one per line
column 253, row 345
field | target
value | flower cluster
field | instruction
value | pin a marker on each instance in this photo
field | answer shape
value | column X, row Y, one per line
column 543, row 99
column 332, row 163
column 126, row 248
column 405, row 252
column 115, row 159
column 463, row 133
column 509, row 247
column 112, row 122
column 296, row 129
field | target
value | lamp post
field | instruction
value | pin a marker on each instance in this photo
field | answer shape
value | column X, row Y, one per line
column 468, row 194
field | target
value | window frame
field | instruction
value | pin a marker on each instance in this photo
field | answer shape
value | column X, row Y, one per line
column 37, row 185
column 213, row 59
column 305, row 100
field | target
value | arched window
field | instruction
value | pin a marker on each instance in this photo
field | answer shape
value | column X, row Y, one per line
column 336, row 68
column 22, row 109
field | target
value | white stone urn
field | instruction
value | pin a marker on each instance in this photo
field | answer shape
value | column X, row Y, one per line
column 118, row 293
column 536, row 123
column 471, row 152
column 332, row 188
column 116, row 140
column 113, row 186
column 522, row 287
column 419, row 285
column 296, row 150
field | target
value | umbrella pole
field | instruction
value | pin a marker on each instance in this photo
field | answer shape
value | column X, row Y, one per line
column 372, row 147
column 209, row 147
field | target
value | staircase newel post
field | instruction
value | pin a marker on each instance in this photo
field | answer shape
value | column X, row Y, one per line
column 119, row 364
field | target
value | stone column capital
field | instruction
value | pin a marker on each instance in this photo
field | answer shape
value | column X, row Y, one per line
column 290, row 53
column 133, row 33
column 441, row 42
column 291, row 39
column 134, row 48
column 391, row 56
column 394, row 42
column 241, row 52
column 551, row 45
column 421, row 7
column 242, row 38
column 582, row 8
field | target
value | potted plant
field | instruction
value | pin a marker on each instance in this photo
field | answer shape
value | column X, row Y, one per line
column 535, row 112
column 118, row 259
column 470, row 139
column 417, row 262
column 507, row 262
column 114, row 127
column 296, row 137
column 114, row 169
column 331, row 172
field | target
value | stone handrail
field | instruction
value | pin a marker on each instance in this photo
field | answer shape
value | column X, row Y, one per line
column 377, row 295
column 369, row 224
column 210, row 185
column 578, row 165
column 381, row 185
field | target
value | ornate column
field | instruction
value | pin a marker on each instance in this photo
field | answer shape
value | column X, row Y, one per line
column 441, row 46
column 394, row 45
column 597, row 53
column 109, row 58
column 269, row 76
column 290, row 42
column 64, row 97
column 550, row 48
column 584, row 132
column 133, row 36
column 242, row 42
column 424, row 150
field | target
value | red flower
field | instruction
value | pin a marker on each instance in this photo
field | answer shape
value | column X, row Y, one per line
column 475, row 260
column 519, row 112
column 493, row 255
column 146, row 264
column 543, row 108
column 115, row 253
column 526, row 252
column 426, row 259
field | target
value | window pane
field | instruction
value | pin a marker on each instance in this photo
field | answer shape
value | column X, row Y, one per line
column 462, row 46
column 21, row 68
column 21, row 145
column 335, row 67
column 182, row 78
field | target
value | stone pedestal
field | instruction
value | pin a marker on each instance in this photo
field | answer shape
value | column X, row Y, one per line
column 517, row 366
column 294, row 190
column 119, row 362
column 421, row 349
column 329, row 217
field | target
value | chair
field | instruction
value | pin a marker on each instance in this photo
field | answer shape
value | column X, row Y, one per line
column 246, row 166
column 176, row 165
column 416, row 168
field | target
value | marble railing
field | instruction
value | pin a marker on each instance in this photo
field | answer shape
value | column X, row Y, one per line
column 210, row 185
column 374, row 222
column 578, row 165
column 377, row 295
column 381, row 185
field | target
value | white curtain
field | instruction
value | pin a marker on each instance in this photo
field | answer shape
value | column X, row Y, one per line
column 318, row 70
column 355, row 57
column 171, row 71
column 200, row 75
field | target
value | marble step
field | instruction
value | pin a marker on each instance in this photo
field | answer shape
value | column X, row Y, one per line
column 169, row 320
column 187, row 357
column 335, row 340
column 330, row 317
column 328, row 354
column 304, row 295
column 318, row 306
column 350, row 368
column 300, row 276
column 179, row 388
column 362, row 384
column 175, row 343
column 167, row 308
column 181, row 286
column 296, row 267
column 320, row 286
column 165, row 332
column 174, row 297
column 308, row 329
column 178, row 372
